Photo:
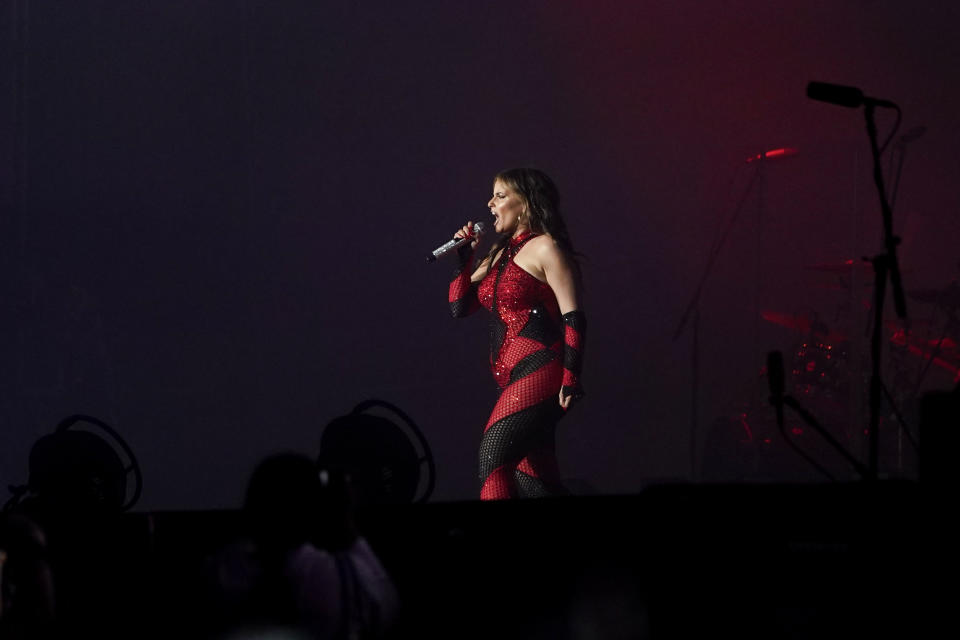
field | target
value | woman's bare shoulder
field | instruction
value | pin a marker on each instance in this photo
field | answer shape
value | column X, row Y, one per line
column 542, row 242
column 545, row 247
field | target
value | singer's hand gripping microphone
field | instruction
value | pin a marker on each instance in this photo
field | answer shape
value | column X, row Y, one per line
column 454, row 244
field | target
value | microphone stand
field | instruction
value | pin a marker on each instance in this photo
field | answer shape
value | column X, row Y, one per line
column 884, row 264
column 779, row 400
column 809, row 418
column 901, row 148
column 693, row 311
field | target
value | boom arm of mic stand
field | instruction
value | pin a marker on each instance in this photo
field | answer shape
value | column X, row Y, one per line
column 808, row 417
column 890, row 240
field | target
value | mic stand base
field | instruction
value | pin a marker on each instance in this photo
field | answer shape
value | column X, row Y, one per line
column 806, row 416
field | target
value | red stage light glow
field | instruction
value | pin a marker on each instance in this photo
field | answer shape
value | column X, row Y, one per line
column 773, row 153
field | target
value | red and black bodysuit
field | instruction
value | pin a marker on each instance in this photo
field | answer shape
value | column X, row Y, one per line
column 534, row 351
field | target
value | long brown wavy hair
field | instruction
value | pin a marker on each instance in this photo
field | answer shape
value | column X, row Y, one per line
column 543, row 210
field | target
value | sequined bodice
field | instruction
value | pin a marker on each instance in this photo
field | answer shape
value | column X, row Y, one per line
column 525, row 317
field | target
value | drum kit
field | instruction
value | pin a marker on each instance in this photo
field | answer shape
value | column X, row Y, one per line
column 828, row 370
column 915, row 347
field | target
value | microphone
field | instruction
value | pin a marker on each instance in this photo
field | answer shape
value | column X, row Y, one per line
column 454, row 244
column 843, row 96
column 775, row 378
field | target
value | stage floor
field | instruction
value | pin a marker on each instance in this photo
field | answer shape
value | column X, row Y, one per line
column 673, row 561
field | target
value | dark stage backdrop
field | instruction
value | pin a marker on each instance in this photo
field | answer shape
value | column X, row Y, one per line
column 215, row 215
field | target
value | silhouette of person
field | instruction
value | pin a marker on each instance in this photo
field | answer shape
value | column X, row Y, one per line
column 26, row 580
column 303, row 567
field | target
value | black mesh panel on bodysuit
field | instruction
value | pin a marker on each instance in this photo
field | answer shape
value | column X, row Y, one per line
column 540, row 327
column 532, row 362
column 498, row 333
column 533, row 487
column 512, row 438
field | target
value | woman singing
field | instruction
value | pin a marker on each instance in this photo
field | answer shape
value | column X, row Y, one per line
column 528, row 281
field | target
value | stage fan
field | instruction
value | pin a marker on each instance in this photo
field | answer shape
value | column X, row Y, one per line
column 76, row 470
column 380, row 457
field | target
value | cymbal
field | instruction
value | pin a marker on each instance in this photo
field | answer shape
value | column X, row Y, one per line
column 931, row 337
column 944, row 360
column 803, row 323
column 840, row 286
column 844, row 266
column 945, row 344
column 947, row 297
column 799, row 322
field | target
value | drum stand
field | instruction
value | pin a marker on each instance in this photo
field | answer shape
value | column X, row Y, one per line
column 693, row 311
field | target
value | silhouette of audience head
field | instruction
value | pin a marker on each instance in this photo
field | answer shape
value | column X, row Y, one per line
column 282, row 501
column 26, row 581
column 286, row 575
column 291, row 501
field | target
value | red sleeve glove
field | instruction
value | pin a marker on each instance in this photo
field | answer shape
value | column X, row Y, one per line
column 463, row 293
column 574, row 339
